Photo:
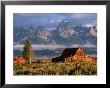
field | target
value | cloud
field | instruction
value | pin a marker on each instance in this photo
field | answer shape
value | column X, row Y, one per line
column 41, row 47
column 55, row 20
column 50, row 19
column 77, row 15
column 87, row 45
column 83, row 15
column 55, row 46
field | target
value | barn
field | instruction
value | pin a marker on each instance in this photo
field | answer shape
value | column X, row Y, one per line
column 19, row 60
column 72, row 54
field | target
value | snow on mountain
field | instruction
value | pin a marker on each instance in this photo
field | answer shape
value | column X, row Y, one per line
column 93, row 31
column 64, row 34
column 65, row 29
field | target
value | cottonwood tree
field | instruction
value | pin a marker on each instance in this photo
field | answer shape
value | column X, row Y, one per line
column 27, row 51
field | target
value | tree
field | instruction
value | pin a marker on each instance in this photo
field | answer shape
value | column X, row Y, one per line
column 27, row 51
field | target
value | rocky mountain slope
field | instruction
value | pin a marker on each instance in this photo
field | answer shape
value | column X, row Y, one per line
column 65, row 33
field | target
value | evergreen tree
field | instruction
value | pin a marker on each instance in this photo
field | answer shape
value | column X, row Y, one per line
column 27, row 51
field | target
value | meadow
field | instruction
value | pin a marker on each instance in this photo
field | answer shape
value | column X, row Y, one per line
column 56, row 68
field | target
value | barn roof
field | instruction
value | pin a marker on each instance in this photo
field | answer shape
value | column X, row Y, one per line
column 68, row 52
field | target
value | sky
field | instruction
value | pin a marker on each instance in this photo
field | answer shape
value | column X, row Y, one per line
column 53, row 19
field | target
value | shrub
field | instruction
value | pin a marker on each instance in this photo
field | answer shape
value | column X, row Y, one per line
column 57, row 68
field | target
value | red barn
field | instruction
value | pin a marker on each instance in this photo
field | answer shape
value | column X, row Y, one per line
column 19, row 60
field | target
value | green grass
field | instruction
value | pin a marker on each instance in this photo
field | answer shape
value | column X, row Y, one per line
column 58, row 68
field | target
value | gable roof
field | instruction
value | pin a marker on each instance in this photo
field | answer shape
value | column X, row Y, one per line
column 68, row 52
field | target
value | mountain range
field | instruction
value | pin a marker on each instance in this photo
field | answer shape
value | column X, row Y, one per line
column 65, row 33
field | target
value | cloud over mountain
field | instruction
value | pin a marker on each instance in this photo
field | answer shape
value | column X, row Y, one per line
column 24, row 19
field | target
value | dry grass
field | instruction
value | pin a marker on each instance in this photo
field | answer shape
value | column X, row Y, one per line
column 59, row 68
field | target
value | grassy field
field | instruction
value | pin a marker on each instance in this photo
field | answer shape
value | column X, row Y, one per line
column 58, row 68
